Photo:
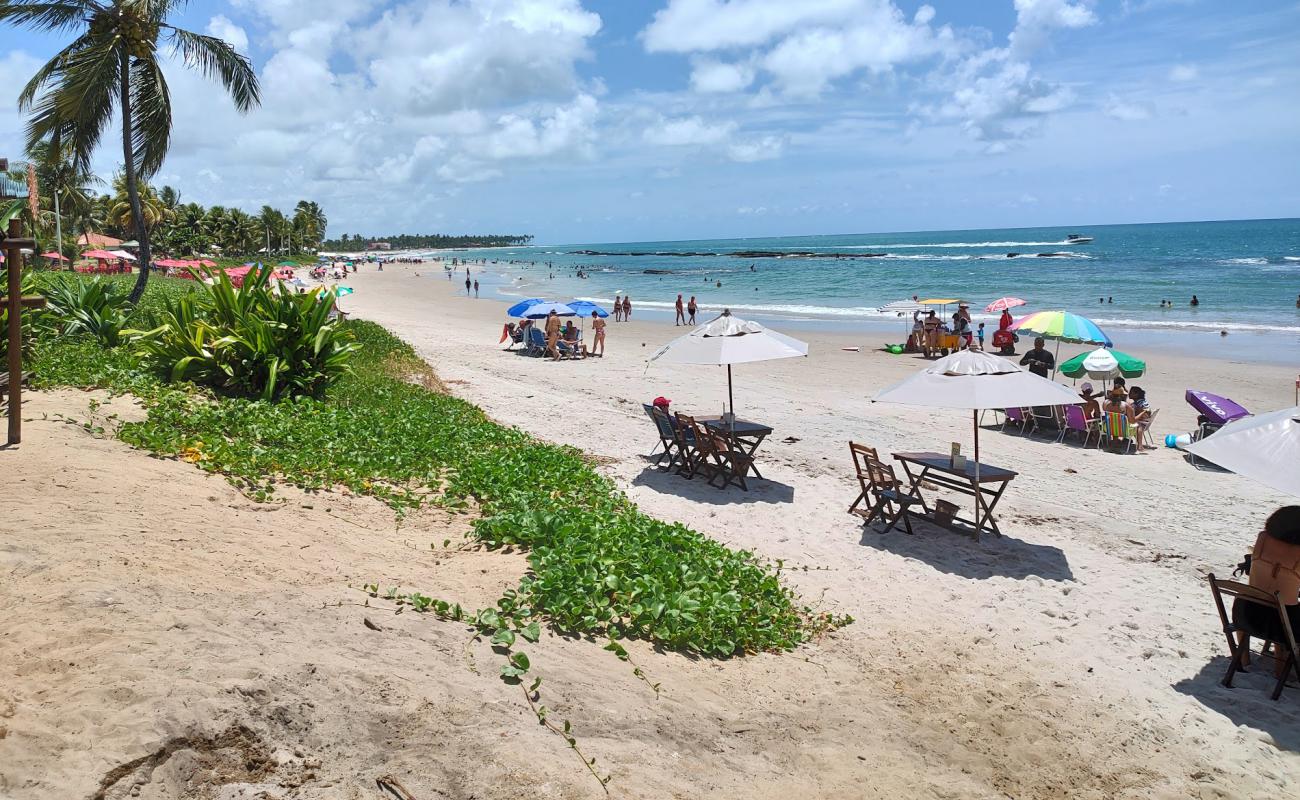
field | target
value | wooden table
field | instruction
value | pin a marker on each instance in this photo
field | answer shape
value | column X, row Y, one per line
column 747, row 436
column 937, row 469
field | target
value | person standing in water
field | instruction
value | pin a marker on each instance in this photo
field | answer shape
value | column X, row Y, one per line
column 468, row 283
column 476, row 289
column 1195, row 301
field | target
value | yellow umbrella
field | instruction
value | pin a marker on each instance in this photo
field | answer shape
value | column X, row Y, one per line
column 939, row 301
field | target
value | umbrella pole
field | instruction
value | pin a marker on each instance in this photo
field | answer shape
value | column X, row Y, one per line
column 975, row 419
column 1056, row 359
column 731, row 398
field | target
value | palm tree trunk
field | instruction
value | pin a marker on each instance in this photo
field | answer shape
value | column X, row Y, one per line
column 58, row 226
column 132, row 188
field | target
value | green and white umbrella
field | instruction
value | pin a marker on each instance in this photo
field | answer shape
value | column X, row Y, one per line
column 1103, row 365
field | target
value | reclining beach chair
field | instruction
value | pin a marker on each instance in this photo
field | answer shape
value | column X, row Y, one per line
column 536, row 341
column 1016, row 416
column 1117, row 428
column 1282, row 638
column 1075, row 422
column 882, row 491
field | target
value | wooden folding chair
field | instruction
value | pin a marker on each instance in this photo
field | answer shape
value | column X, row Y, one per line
column 1283, row 637
column 692, row 448
column 731, row 464
column 881, row 490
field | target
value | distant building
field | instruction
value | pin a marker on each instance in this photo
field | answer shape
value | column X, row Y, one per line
column 99, row 241
column 379, row 246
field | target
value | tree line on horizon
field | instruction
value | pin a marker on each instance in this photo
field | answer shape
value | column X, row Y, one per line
column 355, row 243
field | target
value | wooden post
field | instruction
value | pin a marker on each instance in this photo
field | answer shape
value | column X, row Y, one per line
column 14, row 265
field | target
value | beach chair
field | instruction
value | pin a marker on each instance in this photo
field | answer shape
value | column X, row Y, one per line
column 668, row 438
column 1116, row 428
column 1143, row 429
column 691, row 459
column 1016, row 416
column 1044, row 418
column 1076, row 422
column 536, row 342
column 1282, row 638
column 730, row 463
column 881, row 490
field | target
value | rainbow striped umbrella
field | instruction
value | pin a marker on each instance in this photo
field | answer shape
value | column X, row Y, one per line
column 1063, row 327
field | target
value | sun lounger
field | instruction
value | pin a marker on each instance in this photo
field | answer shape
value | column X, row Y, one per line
column 536, row 342
column 882, row 491
column 1281, row 637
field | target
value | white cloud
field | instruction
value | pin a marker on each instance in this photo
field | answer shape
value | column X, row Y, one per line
column 709, row 75
column 1184, row 72
column 221, row 27
column 760, row 149
column 566, row 129
column 1127, row 111
column 688, row 131
column 802, row 46
column 1036, row 19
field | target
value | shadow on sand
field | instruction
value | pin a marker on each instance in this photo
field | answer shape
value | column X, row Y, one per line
column 696, row 489
column 1247, row 703
column 992, row 556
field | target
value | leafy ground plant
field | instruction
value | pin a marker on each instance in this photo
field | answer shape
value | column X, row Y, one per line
column 599, row 566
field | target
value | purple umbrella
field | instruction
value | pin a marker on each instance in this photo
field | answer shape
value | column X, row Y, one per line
column 1218, row 410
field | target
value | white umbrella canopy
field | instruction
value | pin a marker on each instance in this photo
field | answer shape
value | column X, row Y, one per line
column 1265, row 448
column 975, row 380
column 729, row 340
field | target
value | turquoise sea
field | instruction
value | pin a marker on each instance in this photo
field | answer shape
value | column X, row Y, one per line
column 1246, row 274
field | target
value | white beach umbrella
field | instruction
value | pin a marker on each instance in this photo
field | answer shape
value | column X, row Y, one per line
column 901, row 307
column 729, row 340
column 1265, row 448
column 975, row 380
column 123, row 254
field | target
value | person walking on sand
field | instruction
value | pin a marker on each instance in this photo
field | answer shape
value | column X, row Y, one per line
column 618, row 308
column 627, row 308
column 598, row 340
column 681, row 313
column 468, row 283
column 553, row 335
column 475, row 289
column 691, row 308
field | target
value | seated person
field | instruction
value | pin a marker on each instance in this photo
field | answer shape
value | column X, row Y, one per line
column 1091, row 408
column 570, row 340
column 1274, row 567
column 1116, row 401
column 1140, row 412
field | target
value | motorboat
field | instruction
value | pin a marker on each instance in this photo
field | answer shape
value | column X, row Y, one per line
column 1075, row 238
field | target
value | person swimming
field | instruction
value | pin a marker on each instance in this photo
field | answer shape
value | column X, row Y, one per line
column 1195, row 301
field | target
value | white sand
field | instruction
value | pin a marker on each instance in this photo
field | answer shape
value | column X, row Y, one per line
column 160, row 631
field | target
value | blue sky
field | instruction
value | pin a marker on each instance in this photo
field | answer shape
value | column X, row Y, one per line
column 623, row 121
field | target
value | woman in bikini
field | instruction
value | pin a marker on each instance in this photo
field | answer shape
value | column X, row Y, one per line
column 627, row 308
column 598, row 339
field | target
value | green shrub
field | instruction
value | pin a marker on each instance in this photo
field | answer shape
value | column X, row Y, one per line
column 29, row 318
column 257, row 341
column 93, row 306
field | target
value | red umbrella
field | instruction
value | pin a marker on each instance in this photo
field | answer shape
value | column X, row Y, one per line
column 54, row 255
column 102, row 255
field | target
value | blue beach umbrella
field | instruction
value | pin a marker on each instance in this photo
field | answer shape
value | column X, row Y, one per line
column 542, row 310
column 519, row 309
column 583, row 308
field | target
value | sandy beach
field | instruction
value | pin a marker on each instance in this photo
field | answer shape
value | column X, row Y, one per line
column 195, row 644
column 1083, row 640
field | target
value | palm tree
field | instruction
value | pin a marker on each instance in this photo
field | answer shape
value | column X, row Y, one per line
column 152, row 210
column 63, row 180
column 113, row 64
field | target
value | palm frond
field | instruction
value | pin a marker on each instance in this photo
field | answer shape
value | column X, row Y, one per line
column 48, row 71
column 215, row 58
column 47, row 16
column 152, row 105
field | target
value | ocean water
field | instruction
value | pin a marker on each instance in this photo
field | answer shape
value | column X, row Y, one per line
column 1246, row 274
